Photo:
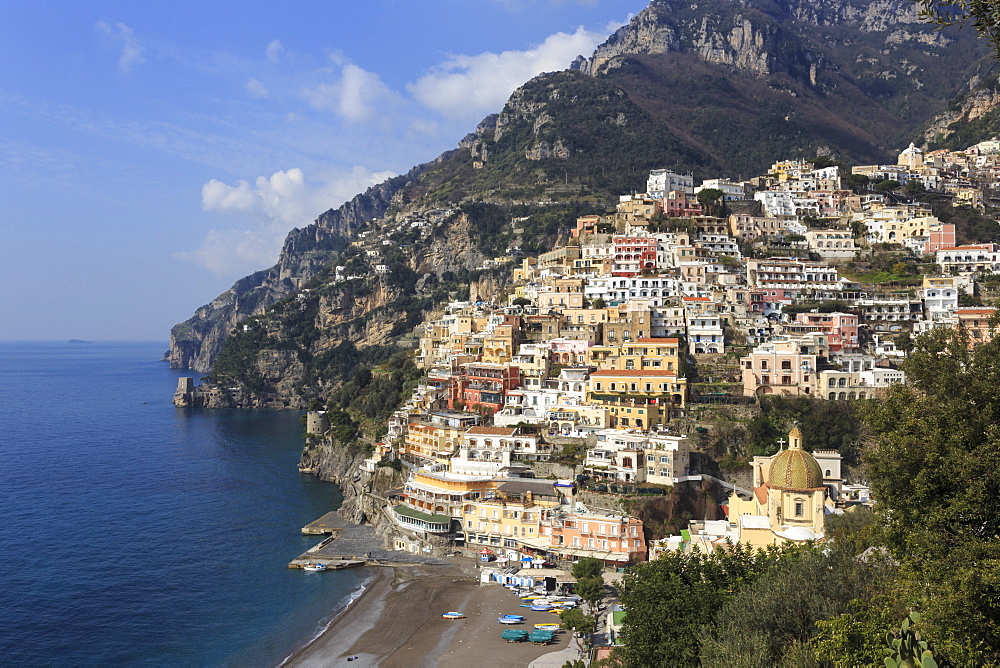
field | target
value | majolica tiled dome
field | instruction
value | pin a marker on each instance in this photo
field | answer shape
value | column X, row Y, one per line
column 795, row 468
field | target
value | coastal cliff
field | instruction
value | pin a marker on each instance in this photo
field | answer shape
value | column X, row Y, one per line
column 196, row 342
column 364, row 490
column 717, row 87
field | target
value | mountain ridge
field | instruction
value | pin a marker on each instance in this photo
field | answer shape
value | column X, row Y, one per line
column 719, row 88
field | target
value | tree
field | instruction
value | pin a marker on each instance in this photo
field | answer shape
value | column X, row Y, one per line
column 934, row 466
column 859, row 182
column 521, row 301
column 887, row 186
column 588, row 567
column 590, row 590
column 582, row 625
column 669, row 600
column 712, row 200
column 984, row 15
column 574, row 619
column 771, row 619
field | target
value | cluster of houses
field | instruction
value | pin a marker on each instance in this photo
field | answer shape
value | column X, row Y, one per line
column 596, row 342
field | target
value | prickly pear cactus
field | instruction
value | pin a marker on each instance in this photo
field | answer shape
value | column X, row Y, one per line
column 906, row 649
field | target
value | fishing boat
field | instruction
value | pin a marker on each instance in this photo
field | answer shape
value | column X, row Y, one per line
column 314, row 568
column 453, row 615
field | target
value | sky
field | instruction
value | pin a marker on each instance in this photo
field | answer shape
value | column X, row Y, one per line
column 151, row 153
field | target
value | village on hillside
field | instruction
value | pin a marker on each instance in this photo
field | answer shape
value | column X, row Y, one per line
column 611, row 345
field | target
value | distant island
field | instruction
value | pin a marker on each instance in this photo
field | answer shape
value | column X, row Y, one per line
column 77, row 341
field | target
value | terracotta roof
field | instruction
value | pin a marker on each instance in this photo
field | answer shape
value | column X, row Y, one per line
column 975, row 311
column 761, row 493
column 492, row 431
column 634, row 372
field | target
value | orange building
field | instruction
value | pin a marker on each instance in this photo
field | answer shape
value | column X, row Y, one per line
column 611, row 538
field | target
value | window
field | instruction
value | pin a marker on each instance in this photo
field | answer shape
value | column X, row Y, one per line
column 798, row 509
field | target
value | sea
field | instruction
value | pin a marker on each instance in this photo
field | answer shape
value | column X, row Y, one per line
column 136, row 533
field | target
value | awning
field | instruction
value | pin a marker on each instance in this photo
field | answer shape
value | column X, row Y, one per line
column 541, row 543
column 412, row 513
column 594, row 554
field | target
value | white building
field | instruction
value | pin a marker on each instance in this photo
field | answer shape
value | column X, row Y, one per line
column 662, row 181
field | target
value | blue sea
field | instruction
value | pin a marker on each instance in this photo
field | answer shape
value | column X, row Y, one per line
column 136, row 533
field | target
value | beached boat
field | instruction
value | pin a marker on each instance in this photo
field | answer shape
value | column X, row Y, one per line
column 453, row 615
column 547, row 627
column 541, row 608
column 518, row 617
column 509, row 620
column 315, row 568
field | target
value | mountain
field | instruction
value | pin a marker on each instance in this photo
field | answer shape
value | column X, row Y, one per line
column 719, row 87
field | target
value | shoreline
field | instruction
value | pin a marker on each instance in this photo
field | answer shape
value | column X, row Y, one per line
column 396, row 622
column 364, row 590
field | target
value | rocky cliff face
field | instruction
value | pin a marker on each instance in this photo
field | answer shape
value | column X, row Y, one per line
column 755, row 36
column 195, row 342
column 971, row 117
column 364, row 491
column 719, row 87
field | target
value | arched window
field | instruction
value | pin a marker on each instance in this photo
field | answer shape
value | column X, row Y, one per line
column 832, row 382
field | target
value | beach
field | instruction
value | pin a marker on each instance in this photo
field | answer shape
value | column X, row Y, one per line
column 397, row 623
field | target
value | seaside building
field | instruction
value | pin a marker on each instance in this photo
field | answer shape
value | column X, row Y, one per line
column 488, row 451
column 613, row 539
column 513, row 512
column 435, row 436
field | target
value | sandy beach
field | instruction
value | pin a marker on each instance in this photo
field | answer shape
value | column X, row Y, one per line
column 397, row 623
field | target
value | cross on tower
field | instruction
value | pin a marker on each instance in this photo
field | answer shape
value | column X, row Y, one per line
column 781, row 443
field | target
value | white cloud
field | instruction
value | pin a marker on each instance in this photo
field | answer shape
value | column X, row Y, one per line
column 274, row 49
column 256, row 89
column 266, row 210
column 468, row 87
column 354, row 95
column 121, row 35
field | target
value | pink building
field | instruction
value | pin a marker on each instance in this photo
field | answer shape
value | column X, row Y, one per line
column 770, row 299
column 569, row 351
column 614, row 539
column 585, row 225
column 841, row 329
column 678, row 204
column 634, row 254
column 942, row 238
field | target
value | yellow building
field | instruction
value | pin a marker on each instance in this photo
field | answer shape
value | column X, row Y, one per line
column 789, row 500
column 501, row 346
column 660, row 354
column 432, row 500
column 637, row 398
column 512, row 512
column 436, row 436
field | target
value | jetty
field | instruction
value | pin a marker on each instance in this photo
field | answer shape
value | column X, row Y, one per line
column 349, row 545
column 329, row 524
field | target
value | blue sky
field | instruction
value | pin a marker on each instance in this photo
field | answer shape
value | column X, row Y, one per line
column 151, row 153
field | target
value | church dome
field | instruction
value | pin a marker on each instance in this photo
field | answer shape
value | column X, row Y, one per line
column 795, row 469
